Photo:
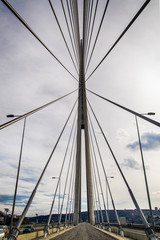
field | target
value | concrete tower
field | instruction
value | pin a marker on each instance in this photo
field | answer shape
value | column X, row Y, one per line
column 83, row 126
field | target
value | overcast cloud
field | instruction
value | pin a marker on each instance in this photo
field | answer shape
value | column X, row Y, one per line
column 131, row 163
column 31, row 77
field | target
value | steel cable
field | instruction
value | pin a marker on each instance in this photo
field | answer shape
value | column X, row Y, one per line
column 127, row 109
column 35, row 35
column 89, row 24
column 104, row 171
column 104, row 13
column 33, row 111
column 69, row 32
column 54, row 13
column 96, row 186
column 100, row 183
column 122, row 34
column 74, row 26
column 90, row 37
column 147, row 226
column 95, row 193
column 67, row 176
column 71, row 175
column 15, row 230
column 60, row 174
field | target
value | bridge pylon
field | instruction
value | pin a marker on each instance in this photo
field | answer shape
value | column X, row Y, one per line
column 82, row 125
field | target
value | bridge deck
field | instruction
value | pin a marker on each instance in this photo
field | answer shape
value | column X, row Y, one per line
column 83, row 231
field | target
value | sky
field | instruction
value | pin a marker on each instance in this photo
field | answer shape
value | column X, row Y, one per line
column 31, row 77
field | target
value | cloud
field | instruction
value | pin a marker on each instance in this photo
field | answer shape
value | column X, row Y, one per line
column 122, row 133
column 97, row 131
column 130, row 163
column 149, row 141
column 8, row 199
column 30, row 77
column 156, row 193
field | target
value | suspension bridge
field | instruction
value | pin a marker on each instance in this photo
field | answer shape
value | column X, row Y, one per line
column 80, row 40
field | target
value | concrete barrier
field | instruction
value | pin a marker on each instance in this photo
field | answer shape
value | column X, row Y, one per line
column 130, row 233
column 29, row 236
column 111, row 235
column 33, row 235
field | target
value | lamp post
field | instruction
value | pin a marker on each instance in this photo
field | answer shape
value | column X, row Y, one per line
column 59, row 196
column 120, row 230
column 18, row 170
column 144, row 169
column 37, row 218
column 46, row 227
column 6, row 210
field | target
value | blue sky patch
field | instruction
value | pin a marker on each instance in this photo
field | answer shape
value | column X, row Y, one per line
column 149, row 141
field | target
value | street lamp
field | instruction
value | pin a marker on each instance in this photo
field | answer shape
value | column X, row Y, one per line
column 6, row 210
column 36, row 218
column 144, row 170
column 120, row 230
column 46, row 227
column 18, row 170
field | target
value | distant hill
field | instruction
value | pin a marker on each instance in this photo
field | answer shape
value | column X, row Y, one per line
column 131, row 216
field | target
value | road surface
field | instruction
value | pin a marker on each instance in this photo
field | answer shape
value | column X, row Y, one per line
column 83, row 231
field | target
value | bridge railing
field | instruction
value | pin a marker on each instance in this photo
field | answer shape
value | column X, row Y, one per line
column 38, row 234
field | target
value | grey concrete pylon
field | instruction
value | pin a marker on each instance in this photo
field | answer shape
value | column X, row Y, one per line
column 83, row 125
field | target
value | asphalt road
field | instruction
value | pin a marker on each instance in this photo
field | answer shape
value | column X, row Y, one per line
column 83, row 231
